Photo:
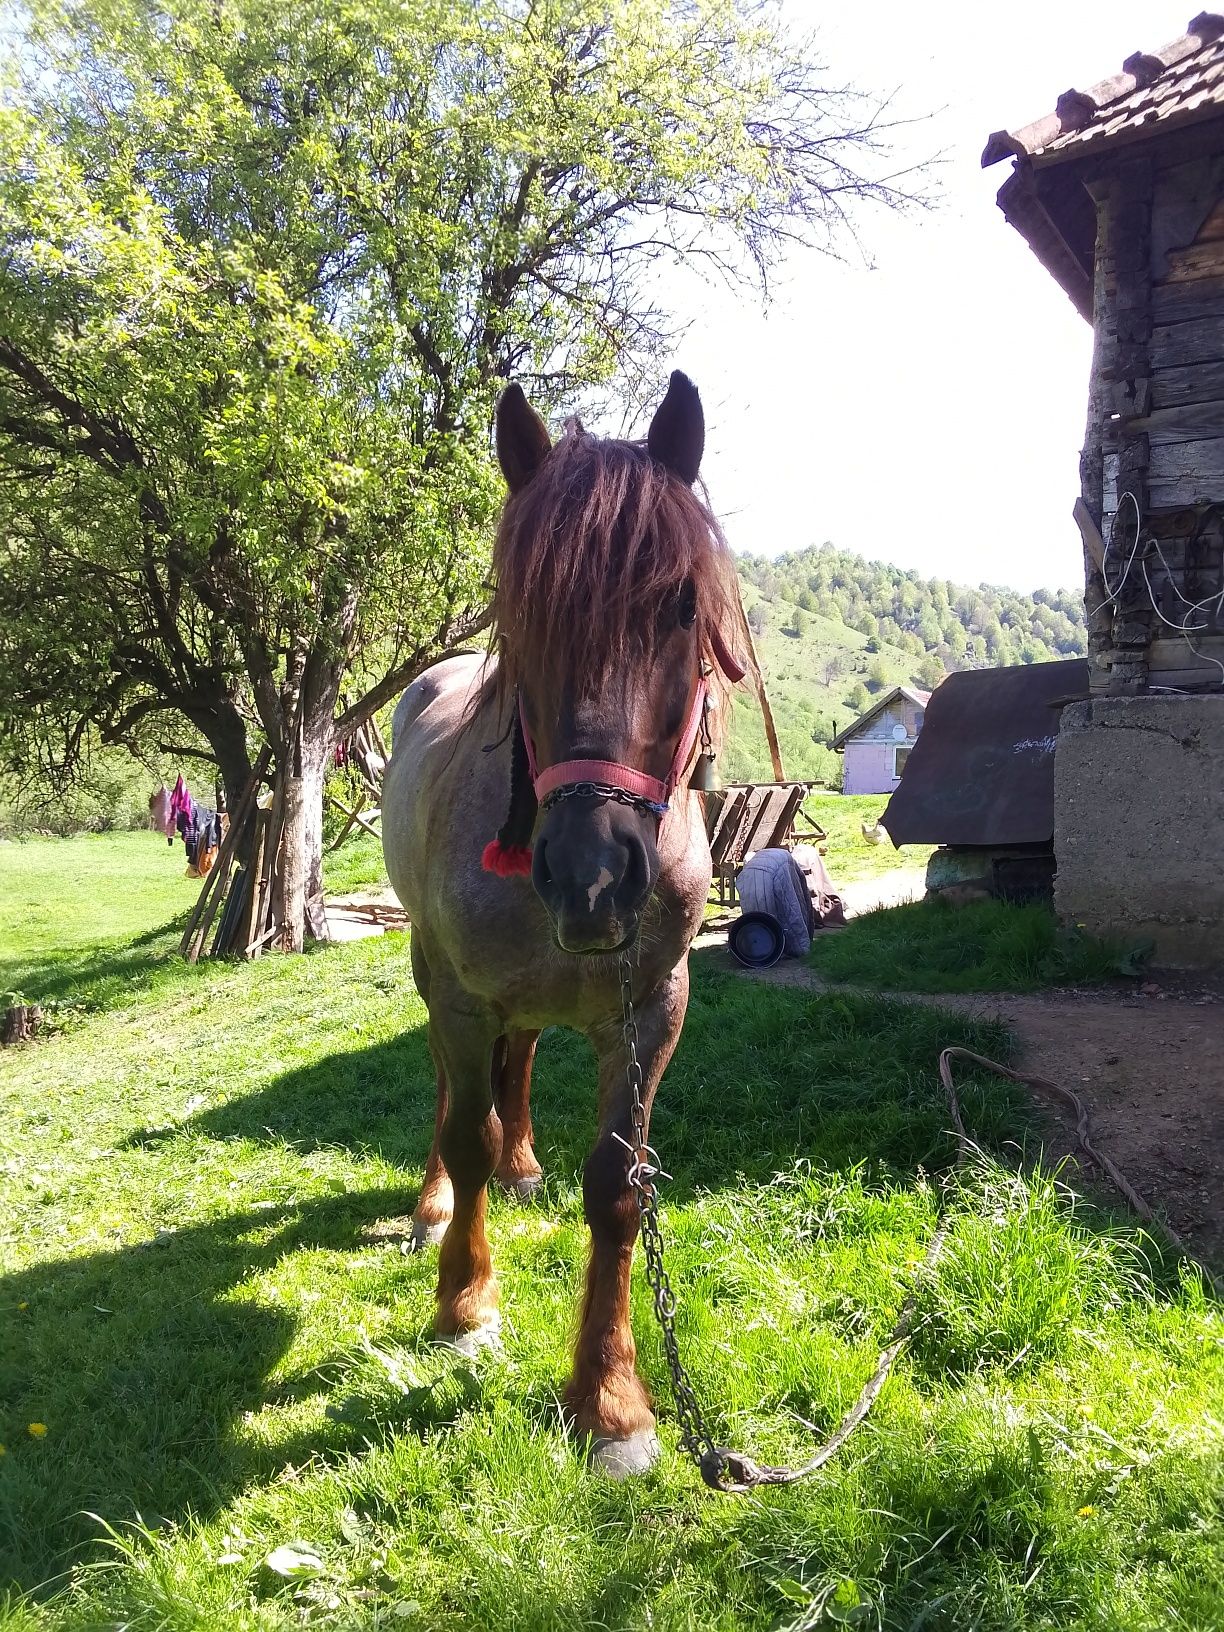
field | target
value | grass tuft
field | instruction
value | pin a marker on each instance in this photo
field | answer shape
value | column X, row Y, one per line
column 988, row 946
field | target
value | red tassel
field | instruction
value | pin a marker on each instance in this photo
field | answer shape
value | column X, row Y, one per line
column 506, row 859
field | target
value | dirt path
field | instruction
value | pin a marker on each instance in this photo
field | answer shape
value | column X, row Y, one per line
column 1149, row 1067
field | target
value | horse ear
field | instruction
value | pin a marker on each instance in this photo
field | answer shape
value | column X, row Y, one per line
column 522, row 438
column 676, row 437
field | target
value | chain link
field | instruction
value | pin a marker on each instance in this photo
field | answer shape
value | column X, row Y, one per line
column 604, row 790
column 644, row 1171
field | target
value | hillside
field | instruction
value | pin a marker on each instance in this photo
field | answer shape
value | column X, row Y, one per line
column 832, row 629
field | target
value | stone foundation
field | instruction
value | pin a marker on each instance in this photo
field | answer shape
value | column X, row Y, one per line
column 1139, row 823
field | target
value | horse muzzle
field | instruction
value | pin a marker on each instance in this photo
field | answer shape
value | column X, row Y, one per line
column 594, row 871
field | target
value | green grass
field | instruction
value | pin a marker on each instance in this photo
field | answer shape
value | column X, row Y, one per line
column 988, row 946
column 848, row 856
column 356, row 865
column 229, row 1358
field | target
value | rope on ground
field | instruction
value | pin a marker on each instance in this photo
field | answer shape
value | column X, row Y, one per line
column 738, row 1473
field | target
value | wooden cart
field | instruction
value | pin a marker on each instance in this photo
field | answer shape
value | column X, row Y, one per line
column 748, row 816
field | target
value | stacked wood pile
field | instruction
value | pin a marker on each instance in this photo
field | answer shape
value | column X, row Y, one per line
column 238, row 898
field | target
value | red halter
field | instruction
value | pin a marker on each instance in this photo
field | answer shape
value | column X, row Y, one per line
column 607, row 778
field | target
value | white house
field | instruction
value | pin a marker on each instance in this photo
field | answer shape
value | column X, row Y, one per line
column 877, row 744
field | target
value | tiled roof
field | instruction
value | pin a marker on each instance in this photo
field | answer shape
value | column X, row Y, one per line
column 1178, row 85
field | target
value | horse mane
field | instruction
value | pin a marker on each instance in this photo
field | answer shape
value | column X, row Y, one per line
column 590, row 553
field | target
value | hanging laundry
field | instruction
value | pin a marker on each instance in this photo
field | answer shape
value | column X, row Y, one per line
column 160, row 818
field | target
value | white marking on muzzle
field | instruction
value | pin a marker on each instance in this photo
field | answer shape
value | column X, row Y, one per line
column 599, row 886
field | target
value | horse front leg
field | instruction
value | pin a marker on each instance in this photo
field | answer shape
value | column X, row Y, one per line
column 436, row 1203
column 518, row 1170
column 606, row 1399
column 469, row 1142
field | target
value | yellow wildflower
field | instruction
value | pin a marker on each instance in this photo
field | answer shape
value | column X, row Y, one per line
column 36, row 1430
column 1086, row 1512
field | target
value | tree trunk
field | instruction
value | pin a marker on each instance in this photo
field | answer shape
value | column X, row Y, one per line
column 298, row 898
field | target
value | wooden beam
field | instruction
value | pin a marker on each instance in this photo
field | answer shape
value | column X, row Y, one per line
column 771, row 730
column 1090, row 533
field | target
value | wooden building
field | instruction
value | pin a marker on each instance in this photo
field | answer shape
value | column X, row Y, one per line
column 1120, row 194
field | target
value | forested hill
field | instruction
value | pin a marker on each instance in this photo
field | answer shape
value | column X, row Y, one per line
column 832, row 629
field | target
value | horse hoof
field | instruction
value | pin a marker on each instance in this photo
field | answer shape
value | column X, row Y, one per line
column 427, row 1234
column 624, row 1458
column 479, row 1340
column 523, row 1189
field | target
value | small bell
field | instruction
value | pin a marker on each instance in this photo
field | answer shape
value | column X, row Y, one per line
column 705, row 773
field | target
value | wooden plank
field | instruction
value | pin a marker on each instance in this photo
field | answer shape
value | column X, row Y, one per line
column 1176, row 345
column 781, row 833
column 763, row 816
column 1199, row 382
column 1180, row 492
column 200, row 922
column 267, row 876
column 726, row 821
column 1185, row 197
column 1109, row 485
column 1090, row 533
column 1183, row 302
column 1195, row 263
column 1203, row 421
column 1213, row 228
column 1199, row 460
column 353, row 815
column 1169, row 653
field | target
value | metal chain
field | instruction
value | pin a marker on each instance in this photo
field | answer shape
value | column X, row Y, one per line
column 732, row 1472
column 604, row 790
column 644, row 1169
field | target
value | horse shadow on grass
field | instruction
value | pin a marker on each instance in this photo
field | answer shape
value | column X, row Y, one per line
column 764, row 1077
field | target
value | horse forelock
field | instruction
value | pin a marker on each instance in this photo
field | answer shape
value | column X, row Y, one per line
column 591, row 553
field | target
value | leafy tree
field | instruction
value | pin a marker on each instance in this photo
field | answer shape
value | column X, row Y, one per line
column 262, row 270
column 929, row 673
column 858, row 697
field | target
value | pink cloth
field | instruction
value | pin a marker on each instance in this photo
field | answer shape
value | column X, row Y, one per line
column 161, row 816
column 180, row 802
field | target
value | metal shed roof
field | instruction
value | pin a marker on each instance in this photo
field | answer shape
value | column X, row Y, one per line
column 982, row 770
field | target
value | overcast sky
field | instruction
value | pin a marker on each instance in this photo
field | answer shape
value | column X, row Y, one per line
column 927, row 411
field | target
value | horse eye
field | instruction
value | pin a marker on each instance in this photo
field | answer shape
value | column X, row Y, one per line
column 686, row 609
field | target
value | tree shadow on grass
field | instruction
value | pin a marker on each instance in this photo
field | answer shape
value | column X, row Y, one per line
column 141, row 1363
column 92, row 978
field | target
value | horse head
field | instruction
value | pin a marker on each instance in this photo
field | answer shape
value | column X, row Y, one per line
column 614, row 587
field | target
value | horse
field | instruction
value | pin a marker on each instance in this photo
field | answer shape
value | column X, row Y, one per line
column 605, row 680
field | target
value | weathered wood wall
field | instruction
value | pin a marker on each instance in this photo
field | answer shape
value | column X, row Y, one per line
column 1153, row 459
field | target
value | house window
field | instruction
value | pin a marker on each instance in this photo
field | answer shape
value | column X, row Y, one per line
column 900, row 755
